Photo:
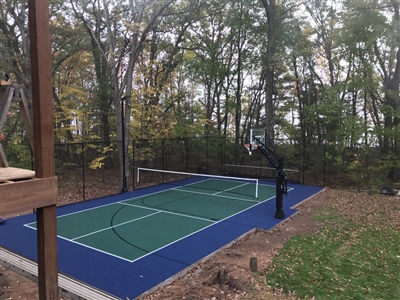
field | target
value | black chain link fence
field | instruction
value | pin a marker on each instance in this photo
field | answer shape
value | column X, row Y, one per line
column 204, row 155
column 89, row 170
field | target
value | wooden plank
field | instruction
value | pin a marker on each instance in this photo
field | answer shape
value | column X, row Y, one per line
column 43, row 132
column 42, row 90
column 27, row 195
column 7, row 174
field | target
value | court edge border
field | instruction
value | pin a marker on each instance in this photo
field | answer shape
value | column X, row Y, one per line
column 72, row 287
column 185, row 271
column 67, row 286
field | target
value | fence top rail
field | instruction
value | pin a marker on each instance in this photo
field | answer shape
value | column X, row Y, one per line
column 258, row 167
column 86, row 142
column 179, row 138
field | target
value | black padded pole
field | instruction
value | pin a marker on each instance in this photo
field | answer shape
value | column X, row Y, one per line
column 280, row 189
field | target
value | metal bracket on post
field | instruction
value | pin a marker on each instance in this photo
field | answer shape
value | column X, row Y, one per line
column 280, row 190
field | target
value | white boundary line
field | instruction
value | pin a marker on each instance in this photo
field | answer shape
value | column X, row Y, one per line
column 232, row 188
column 199, row 175
column 151, row 252
column 168, row 212
column 214, row 195
column 145, row 195
column 204, row 228
column 114, row 226
column 108, row 204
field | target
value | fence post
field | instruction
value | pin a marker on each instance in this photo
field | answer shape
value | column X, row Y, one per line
column 162, row 158
column 83, row 171
column 221, row 156
column 207, row 154
column 187, row 154
column 324, row 162
column 304, row 160
column 133, row 164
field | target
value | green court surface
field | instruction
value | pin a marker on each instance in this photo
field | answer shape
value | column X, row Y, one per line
column 135, row 227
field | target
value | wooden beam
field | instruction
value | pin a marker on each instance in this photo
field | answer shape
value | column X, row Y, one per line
column 42, row 90
column 10, row 174
column 47, row 252
column 42, row 104
column 26, row 195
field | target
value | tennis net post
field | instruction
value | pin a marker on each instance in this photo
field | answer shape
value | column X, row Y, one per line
column 199, row 175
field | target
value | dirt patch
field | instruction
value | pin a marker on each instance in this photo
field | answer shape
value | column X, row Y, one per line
column 226, row 275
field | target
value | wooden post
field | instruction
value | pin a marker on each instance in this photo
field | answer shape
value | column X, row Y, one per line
column 42, row 103
column 253, row 264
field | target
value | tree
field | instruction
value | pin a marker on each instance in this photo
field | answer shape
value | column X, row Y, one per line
column 119, row 33
column 374, row 28
column 271, row 10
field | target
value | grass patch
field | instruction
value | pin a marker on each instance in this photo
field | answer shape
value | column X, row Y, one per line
column 343, row 260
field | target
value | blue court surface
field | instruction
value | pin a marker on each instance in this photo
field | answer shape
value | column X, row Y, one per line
column 129, row 243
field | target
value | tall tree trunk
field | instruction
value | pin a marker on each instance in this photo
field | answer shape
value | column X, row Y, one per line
column 270, row 9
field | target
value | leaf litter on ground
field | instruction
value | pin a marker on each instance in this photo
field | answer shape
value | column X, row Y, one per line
column 353, row 255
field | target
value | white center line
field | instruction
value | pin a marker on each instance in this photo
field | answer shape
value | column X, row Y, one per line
column 169, row 212
column 220, row 196
column 110, row 227
column 232, row 188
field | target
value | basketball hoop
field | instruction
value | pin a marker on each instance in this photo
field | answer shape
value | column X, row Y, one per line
column 250, row 147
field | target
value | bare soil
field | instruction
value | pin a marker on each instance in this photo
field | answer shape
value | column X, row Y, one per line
column 226, row 275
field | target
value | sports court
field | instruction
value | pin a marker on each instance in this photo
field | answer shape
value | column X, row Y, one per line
column 128, row 244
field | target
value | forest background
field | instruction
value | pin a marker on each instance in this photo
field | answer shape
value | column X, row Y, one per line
column 321, row 76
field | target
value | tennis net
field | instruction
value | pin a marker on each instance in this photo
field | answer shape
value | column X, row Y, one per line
column 150, row 177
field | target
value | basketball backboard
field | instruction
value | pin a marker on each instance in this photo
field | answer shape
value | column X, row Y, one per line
column 257, row 135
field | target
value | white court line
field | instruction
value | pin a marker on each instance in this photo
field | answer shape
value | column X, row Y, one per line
column 158, row 192
column 166, row 245
column 175, row 241
column 232, row 188
column 168, row 212
column 108, row 204
column 154, row 193
column 114, row 226
column 136, row 197
column 204, row 228
column 220, row 196
column 95, row 249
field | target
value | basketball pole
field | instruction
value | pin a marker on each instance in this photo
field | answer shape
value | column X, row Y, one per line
column 277, row 161
column 280, row 190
